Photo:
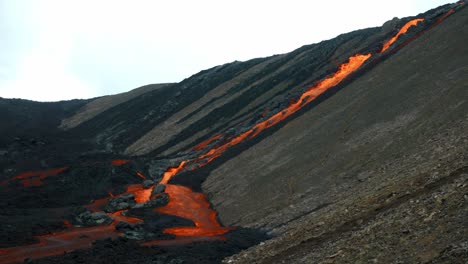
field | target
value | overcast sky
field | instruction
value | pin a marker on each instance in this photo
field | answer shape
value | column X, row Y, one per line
column 56, row 50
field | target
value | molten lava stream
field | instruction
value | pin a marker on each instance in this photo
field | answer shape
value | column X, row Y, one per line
column 308, row 96
column 34, row 178
column 141, row 195
column 185, row 203
column 205, row 143
column 55, row 244
column 71, row 239
column 402, row 31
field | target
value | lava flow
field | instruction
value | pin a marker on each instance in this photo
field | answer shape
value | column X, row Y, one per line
column 183, row 201
column 205, row 143
column 34, row 178
column 308, row 96
column 402, row 31
column 57, row 243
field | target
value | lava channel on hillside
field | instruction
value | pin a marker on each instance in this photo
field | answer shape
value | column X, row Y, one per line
column 182, row 202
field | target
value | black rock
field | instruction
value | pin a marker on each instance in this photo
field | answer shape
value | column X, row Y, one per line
column 157, row 168
column 120, row 203
column 87, row 218
column 156, row 201
column 160, row 188
column 147, row 184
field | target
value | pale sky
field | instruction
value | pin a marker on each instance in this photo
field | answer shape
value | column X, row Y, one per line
column 56, row 50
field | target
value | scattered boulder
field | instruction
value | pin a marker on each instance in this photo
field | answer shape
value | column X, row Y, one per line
column 120, row 203
column 87, row 218
column 147, row 184
column 135, row 231
column 160, row 188
column 157, row 201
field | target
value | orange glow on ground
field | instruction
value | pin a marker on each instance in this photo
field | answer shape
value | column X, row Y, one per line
column 171, row 172
column 34, row 178
column 66, row 223
column 139, row 174
column 183, row 202
column 205, row 143
column 141, row 195
column 402, row 31
column 120, row 162
column 96, row 205
column 308, row 96
column 119, row 217
column 451, row 11
column 56, row 244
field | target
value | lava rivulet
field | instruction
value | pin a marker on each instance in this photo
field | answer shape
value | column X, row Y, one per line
column 308, row 96
column 205, row 143
column 402, row 31
column 171, row 172
column 183, row 202
column 34, row 178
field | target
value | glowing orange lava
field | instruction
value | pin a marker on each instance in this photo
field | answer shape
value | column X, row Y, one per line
column 205, row 143
column 172, row 172
column 55, row 244
column 183, row 202
column 34, row 178
column 402, row 31
column 141, row 195
column 308, row 96
column 139, row 174
column 119, row 217
column 119, row 162
column 451, row 11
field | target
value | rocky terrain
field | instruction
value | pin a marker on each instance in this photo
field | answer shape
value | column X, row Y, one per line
column 351, row 150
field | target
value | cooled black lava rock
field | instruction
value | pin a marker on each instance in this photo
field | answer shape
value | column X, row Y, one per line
column 120, row 203
column 156, row 201
column 147, row 184
column 138, row 232
column 87, row 218
column 157, row 168
column 160, row 188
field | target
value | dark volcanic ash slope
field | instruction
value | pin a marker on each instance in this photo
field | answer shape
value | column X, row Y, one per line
column 377, row 173
column 394, row 110
column 373, row 169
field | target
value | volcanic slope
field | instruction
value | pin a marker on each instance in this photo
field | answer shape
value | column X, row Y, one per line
column 349, row 150
column 377, row 173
